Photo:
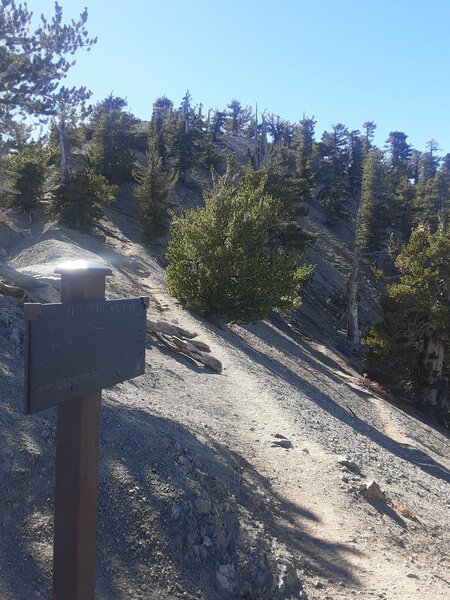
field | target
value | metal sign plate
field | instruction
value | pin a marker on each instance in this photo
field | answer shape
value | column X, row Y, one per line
column 77, row 349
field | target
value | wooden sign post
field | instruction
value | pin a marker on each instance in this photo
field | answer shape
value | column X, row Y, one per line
column 72, row 351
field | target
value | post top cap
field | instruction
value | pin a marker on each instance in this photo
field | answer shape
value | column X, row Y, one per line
column 82, row 267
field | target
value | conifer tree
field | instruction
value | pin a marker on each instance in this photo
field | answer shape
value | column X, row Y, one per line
column 374, row 189
column 187, row 111
column 28, row 168
column 305, row 147
column 33, row 64
column 399, row 152
column 113, row 139
column 410, row 348
column 305, row 157
column 184, row 148
column 356, row 159
column 162, row 113
column 238, row 117
column 398, row 210
column 431, row 201
column 227, row 259
column 218, row 124
column 369, row 131
column 78, row 201
column 281, row 131
column 443, row 185
column 372, row 195
column 332, row 177
column 152, row 191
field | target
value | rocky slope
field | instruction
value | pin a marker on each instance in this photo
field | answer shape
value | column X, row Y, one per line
column 250, row 484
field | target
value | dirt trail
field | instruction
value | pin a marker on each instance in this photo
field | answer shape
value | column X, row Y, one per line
column 344, row 543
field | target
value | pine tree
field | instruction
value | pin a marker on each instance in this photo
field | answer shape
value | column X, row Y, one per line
column 238, row 117
column 398, row 211
column 305, row 155
column 400, row 204
column 410, row 348
column 372, row 195
column 305, row 147
column 152, row 191
column 281, row 131
column 78, row 202
column 32, row 65
column 28, row 167
column 431, row 202
column 187, row 111
column 400, row 153
column 374, row 189
column 218, row 124
column 185, row 149
column 162, row 113
column 113, row 139
column 443, row 185
column 356, row 155
column 369, row 132
column 332, row 176
column 225, row 259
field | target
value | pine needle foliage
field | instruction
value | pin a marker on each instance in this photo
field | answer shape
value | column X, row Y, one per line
column 153, row 187
column 78, row 203
column 225, row 260
column 28, row 167
column 414, row 309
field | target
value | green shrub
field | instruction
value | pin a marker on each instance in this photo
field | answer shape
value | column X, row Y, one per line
column 78, row 203
column 28, row 166
column 225, row 259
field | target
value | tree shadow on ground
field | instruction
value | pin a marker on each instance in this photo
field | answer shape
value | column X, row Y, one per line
column 384, row 509
column 26, row 471
column 200, row 505
column 165, row 494
column 302, row 352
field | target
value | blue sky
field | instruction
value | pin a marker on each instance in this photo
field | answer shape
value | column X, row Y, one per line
column 346, row 61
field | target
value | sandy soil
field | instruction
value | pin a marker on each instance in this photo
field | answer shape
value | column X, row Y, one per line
column 232, row 485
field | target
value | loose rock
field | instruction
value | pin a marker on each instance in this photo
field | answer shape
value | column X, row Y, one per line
column 346, row 462
column 282, row 443
column 372, row 491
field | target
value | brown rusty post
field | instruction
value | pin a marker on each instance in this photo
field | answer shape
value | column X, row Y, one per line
column 77, row 452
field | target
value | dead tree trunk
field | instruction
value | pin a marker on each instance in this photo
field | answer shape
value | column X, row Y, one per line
column 264, row 153
column 352, row 302
column 352, row 284
column 6, row 177
column 434, row 364
column 255, row 148
column 32, row 288
column 63, row 139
